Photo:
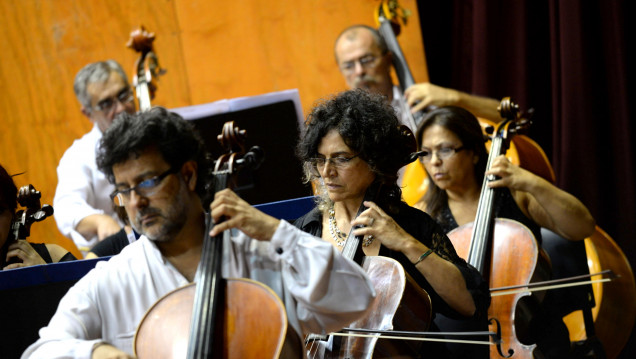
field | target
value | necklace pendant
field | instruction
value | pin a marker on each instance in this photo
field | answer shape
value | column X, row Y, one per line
column 366, row 241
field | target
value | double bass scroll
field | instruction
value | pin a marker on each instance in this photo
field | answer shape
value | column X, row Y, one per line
column 147, row 68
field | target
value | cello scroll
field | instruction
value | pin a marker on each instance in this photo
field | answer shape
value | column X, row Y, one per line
column 28, row 197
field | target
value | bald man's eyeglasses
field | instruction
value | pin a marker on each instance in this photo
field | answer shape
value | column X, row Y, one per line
column 367, row 62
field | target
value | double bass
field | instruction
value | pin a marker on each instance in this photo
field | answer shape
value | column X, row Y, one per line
column 215, row 317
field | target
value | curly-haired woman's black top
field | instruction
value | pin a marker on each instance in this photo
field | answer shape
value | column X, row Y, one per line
column 423, row 228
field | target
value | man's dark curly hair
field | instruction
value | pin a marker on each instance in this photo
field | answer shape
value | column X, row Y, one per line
column 175, row 138
column 369, row 126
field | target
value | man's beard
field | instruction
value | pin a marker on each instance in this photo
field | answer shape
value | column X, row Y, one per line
column 165, row 225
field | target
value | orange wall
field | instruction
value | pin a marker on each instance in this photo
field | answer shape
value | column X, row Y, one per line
column 211, row 49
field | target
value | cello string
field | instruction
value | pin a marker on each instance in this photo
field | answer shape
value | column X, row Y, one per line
column 311, row 347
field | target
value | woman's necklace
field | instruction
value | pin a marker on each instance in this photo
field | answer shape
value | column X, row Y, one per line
column 337, row 236
column 340, row 237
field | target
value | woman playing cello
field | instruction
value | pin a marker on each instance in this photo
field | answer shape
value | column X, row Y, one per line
column 352, row 148
column 455, row 160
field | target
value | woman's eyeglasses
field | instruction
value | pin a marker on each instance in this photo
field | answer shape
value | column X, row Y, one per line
column 442, row 153
column 317, row 165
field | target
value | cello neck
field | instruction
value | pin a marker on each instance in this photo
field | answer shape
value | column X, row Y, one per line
column 482, row 229
column 143, row 95
column 210, row 290
column 207, row 314
column 387, row 11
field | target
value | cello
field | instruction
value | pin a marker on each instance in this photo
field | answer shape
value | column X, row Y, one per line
column 213, row 316
column 22, row 220
column 496, row 245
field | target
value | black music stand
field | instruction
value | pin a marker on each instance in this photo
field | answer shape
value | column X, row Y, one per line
column 273, row 122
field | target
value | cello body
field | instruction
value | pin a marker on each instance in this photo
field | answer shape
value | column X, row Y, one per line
column 164, row 330
column 399, row 304
column 515, row 258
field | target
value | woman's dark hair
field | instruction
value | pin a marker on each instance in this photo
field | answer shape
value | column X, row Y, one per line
column 8, row 192
column 369, row 126
column 8, row 202
column 175, row 138
column 466, row 127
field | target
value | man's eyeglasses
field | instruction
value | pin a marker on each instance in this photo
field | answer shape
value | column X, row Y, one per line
column 107, row 105
column 367, row 62
column 145, row 188
column 443, row 153
column 317, row 165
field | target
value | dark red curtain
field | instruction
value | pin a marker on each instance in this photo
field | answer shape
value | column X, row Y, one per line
column 569, row 60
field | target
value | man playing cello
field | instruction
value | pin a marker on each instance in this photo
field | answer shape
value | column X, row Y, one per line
column 158, row 166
